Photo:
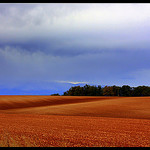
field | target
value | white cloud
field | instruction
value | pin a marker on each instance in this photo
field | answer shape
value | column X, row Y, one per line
column 86, row 25
column 72, row 82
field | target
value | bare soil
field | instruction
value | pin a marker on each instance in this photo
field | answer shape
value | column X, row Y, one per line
column 65, row 121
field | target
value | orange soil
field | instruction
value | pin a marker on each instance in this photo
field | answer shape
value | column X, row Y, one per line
column 74, row 121
column 61, row 131
column 116, row 107
column 12, row 102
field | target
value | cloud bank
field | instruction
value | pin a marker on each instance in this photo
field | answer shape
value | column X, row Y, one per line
column 54, row 46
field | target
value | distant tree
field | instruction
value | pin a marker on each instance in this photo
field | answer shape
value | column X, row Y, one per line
column 116, row 90
column 65, row 94
column 145, row 91
column 92, row 90
column 141, row 91
column 74, row 91
column 78, row 91
column 126, row 90
column 99, row 91
column 71, row 91
column 86, row 90
column 108, row 91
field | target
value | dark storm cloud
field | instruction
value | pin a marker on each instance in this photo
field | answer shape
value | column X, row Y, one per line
column 102, row 68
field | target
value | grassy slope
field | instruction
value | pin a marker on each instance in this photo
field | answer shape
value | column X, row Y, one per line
column 116, row 107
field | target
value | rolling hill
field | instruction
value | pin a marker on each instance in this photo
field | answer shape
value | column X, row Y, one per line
column 115, row 107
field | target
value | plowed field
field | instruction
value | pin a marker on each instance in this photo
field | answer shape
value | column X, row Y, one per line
column 34, row 121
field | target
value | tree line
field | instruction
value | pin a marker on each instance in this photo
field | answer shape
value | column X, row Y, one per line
column 114, row 90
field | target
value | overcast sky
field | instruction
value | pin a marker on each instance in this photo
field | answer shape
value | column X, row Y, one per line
column 47, row 48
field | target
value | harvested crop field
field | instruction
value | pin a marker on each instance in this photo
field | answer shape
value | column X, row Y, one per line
column 60, row 121
column 49, row 130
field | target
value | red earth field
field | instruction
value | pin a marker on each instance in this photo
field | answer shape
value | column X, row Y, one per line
column 62, row 121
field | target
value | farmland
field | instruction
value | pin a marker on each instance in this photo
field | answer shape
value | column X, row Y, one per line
column 65, row 121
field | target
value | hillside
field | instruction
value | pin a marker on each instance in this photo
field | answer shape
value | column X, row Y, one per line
column 115, row 107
